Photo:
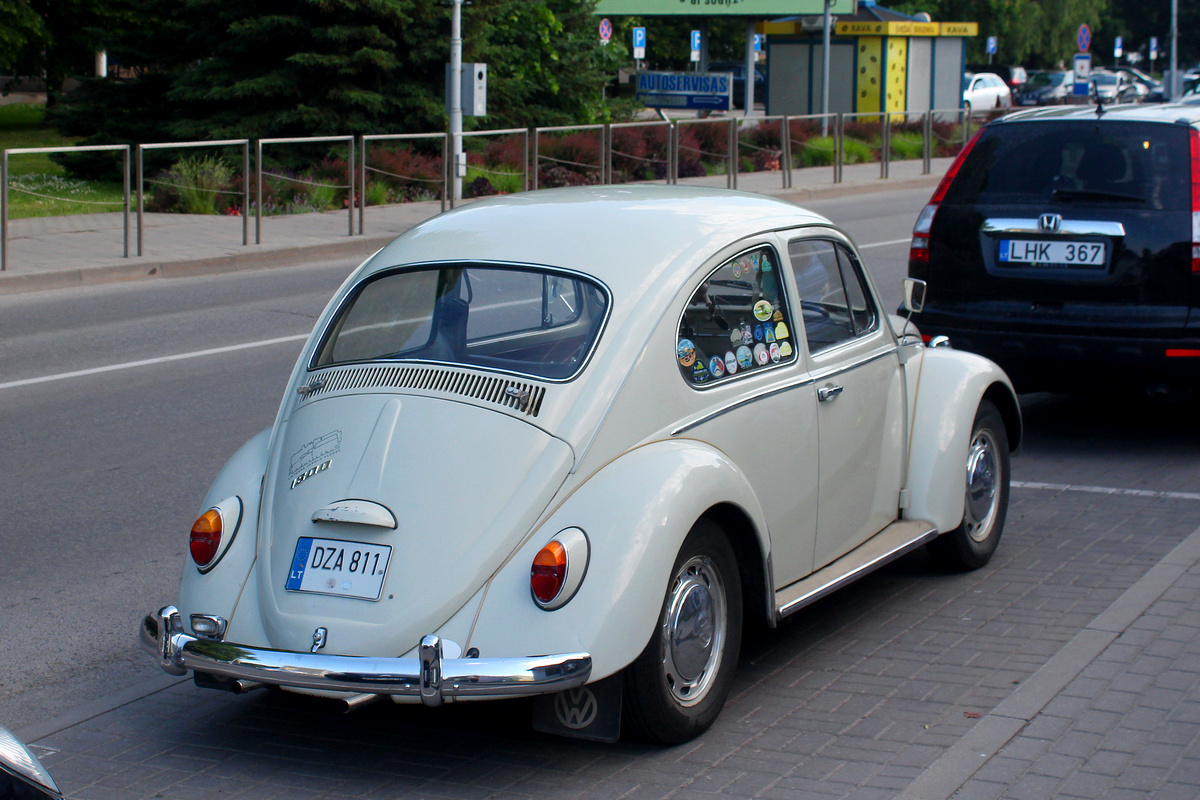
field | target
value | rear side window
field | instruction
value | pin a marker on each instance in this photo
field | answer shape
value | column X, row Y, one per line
column 1078, row 163
column 736, row 323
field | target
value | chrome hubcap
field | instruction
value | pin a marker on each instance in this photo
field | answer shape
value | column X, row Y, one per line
column 694, row 630
column 983, row 481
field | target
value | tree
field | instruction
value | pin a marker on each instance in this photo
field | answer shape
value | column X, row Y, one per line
column 22, row 30
column 1036, row 33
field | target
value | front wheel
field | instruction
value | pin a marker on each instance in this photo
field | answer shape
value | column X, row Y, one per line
column 972, row 543
column 677, row 686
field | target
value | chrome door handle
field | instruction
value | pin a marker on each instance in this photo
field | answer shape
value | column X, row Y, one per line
column 828, row 392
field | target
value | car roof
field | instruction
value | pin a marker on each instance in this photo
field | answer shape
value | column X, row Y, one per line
column 623, row 235
column 1164, row 113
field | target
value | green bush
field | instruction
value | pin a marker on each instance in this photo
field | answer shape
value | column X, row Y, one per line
column 907, row 145
column 198, row 182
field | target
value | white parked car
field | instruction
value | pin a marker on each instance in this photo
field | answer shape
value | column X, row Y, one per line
column 562, row 443
column 983, row 92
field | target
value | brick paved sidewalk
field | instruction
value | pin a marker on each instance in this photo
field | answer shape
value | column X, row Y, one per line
column 1116, row 713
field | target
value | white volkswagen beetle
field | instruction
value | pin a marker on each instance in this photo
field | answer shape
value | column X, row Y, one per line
column 562, row 443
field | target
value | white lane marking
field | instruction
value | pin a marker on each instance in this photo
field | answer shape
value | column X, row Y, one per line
column 1064, row 487
column 885, row 244
column 62, row 376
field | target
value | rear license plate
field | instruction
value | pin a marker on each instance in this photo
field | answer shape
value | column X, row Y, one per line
column 343, row 569
column 1071, row 254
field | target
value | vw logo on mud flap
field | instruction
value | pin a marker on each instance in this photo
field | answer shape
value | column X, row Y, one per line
column 576, row 708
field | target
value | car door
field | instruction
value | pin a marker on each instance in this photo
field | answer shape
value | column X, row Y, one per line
column 853, row 362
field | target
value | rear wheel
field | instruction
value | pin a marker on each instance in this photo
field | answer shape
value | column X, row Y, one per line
column 677, row 686
column 971, row 544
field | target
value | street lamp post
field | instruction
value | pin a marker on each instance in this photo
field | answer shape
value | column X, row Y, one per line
column 456, row 114
column 826, row 23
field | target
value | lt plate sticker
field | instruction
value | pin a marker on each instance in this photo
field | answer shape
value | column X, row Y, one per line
column 340, row 568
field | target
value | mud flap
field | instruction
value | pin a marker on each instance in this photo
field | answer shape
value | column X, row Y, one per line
column 589, row 712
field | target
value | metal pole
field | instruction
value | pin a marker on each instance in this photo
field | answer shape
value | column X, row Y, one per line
column 140, row 197
column 731, row 178
column 536, row 157
column 350, row 198
column 885, row 131
column 245, row 193
column 258, row 191
column 125, row 204
column 748, row 95
column 927, row 150
column 525, row 166
column 362, row 181
column 826, row 23
column 839, row 135
column 1173, row 91
column 3, row 211
column 456, row 115
column 785, row 129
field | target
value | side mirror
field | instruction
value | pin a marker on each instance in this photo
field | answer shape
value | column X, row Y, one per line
column 914, row 295
column 21, row 774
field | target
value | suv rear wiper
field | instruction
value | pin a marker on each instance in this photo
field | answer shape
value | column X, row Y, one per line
column 1090, row 194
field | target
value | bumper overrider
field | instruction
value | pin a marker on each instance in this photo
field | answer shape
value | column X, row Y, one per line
column 430, row 676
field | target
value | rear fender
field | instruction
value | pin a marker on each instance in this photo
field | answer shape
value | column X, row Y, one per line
column 636, row 512
column 216, row 591
column 951, row 384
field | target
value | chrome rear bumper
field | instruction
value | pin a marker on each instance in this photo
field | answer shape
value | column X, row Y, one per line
column 430, row 676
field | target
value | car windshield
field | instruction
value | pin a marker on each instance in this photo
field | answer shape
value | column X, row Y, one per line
column 518, row 319
column 1104, row 80
column 1078, row 163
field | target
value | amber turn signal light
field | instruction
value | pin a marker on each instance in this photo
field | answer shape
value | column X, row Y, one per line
column 205, row 540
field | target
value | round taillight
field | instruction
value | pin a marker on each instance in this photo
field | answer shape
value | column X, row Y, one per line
column 549, row 572
column 205, row 540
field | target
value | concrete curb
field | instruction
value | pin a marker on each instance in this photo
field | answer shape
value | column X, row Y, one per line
column 942, row 779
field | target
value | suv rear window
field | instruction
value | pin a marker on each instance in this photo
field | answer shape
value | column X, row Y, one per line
column 1140, row 165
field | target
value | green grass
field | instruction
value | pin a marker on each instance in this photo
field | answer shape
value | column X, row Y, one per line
column 23, row 125
column 37, row 187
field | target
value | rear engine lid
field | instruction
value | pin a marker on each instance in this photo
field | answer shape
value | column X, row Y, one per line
column 384, row 513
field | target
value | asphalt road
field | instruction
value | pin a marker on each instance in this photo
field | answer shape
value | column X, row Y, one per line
column 102, row 473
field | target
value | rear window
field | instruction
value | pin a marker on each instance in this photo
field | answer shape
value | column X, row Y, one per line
column 1078, row 163
column 525, row 320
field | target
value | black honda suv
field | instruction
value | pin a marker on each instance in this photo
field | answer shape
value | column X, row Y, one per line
column 1064, row 244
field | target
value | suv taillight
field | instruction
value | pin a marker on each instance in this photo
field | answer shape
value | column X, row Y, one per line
column 919, row 249
column 1195, row 201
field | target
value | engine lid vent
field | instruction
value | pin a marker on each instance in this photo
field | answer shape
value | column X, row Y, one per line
column 515, row 394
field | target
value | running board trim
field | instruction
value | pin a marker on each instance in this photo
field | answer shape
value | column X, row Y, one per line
column 889, row 544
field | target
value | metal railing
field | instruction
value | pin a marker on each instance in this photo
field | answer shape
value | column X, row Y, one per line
column 16, row 151
column 605, row 162
column 258, row 177
column 524, row 133
column 245, row 214
column 662, row 157
column 365, row 142
column 667, row 160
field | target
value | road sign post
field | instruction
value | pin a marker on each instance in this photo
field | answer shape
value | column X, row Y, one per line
column 639, row 44
column 1083, row 71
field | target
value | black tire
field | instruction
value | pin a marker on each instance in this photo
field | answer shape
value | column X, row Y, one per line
column 972, row 543
column 676, row 688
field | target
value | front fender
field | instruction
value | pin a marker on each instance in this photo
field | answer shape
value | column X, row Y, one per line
column 636, row 512
column 951, row 384
column 216, row 592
